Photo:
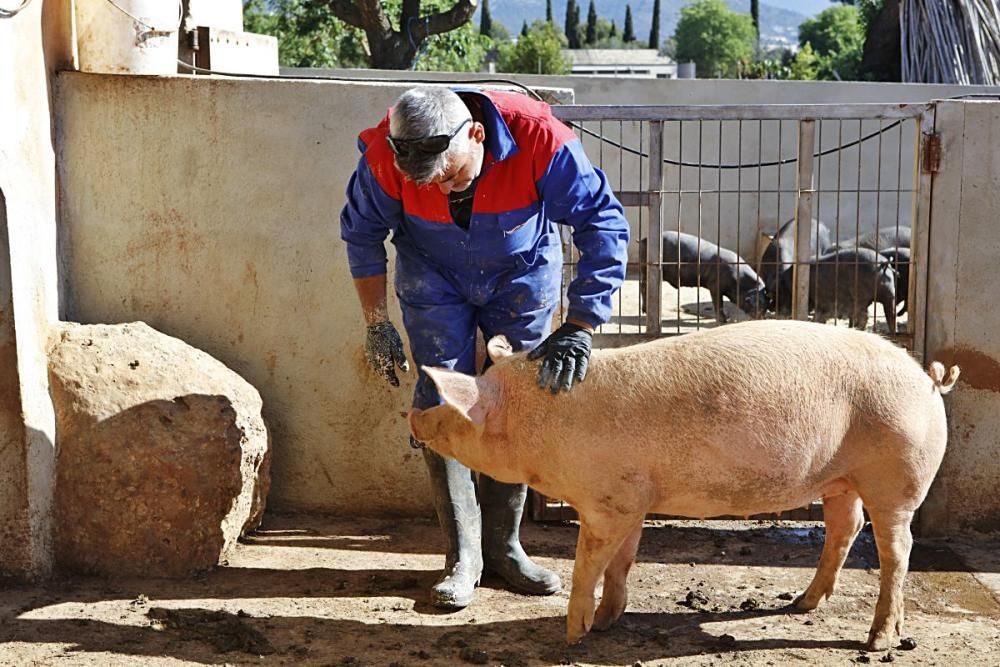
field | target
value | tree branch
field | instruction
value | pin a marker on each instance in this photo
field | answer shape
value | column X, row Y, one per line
column 435, row 24
column 365, row 14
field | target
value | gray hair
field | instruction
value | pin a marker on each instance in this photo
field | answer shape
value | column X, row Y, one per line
column 425, row 112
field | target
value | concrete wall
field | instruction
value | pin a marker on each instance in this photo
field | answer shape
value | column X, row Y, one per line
column 962, row 321
column 33, row 45
column 208, row 208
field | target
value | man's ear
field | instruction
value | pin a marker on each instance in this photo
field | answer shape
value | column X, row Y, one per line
column 478, row 132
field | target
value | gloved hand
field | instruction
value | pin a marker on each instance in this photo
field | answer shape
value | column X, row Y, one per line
column 384, row 351
column 567, row 353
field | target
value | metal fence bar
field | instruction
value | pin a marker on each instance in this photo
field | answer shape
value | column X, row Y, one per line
column 736, row 111
column 654, row 232
column 803, row 218
column 923, row 176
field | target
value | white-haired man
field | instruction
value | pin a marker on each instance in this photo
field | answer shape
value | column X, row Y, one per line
column 469, row 183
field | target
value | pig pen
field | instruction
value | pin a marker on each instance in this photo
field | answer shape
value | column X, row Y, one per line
column 308, row 590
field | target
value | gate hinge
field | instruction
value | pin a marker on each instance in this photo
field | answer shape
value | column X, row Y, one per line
column 930, row 150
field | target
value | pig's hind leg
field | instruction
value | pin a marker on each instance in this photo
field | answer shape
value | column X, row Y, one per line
column 600, row 539
column 894, row 541
column 615, row 595
column 844, row 519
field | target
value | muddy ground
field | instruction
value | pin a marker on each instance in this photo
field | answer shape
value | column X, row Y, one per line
column 322, row 591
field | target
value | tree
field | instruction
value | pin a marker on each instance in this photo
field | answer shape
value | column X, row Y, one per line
column 308, row 33
column 614, row 30
column 524, row 28
column 538, row 52
column 628, row 34
column 392, row 48
column 805, row 66
column 573, row 24
column 548, row 12
column 592, row 24
column 836, row 37
column 485, row 20
column 833, row 30
column 755, row 15
column 654, row 31
column 714, row 37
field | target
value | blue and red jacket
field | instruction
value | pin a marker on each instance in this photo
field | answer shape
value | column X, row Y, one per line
column 534, row 173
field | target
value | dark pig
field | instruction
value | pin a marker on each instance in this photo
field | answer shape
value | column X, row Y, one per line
column 689, row 261
column 900, row 260
column 887, row 238
column 780, row 252
column 843, row 283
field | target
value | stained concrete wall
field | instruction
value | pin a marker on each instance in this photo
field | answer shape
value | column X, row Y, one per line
column 962, row 320
column 33, row 45
column 208, row 208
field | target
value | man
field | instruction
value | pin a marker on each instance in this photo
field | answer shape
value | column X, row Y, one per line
column 470, row 184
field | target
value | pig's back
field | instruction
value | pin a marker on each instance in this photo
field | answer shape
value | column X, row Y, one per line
column 753, row 416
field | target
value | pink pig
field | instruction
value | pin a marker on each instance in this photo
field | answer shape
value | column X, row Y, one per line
column 749, row 418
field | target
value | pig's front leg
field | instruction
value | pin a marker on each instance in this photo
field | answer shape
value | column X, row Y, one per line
column 615, row 595
column 600, row 538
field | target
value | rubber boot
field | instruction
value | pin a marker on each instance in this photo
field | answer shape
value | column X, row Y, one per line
column 503, row 506
column 454, row 494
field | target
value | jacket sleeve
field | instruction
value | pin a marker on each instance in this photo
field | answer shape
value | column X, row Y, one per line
column 366, row 220
column 576, row 193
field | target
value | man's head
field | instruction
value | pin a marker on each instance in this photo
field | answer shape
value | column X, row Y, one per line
column 435, row 140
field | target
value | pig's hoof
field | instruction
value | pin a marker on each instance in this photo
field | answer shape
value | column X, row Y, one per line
column 806, row 603
column 879, row 641
column 576, row 628
column 604, row 619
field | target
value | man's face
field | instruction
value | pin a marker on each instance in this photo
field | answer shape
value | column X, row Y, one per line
column 464, row 166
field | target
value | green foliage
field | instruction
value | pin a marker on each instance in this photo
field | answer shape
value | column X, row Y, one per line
column 806, row 64
column 592, row 24
column 628, row 34
column 486, row 20
column 716, row 38
column 308, row 33
column 836, row 37
column 538, row 52
column 833, row 30
column 524, row 28
column 574, row 34
column 654, row 30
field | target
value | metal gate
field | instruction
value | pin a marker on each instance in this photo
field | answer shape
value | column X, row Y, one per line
column 732, row 176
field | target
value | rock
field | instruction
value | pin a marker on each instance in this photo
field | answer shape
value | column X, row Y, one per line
column 908, row 644
column 786, row 596
column 694, row 600
column 750, row 604
column 161, row 465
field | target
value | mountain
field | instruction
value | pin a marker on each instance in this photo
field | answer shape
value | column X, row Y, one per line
column 778, row 22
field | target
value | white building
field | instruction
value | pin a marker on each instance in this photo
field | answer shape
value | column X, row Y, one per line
column 639, row 63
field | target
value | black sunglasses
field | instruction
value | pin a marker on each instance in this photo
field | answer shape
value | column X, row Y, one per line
column 428, row 145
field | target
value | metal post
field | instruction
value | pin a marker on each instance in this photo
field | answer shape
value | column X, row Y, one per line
column 654, row 235
column 803, row 217
column 923, row 175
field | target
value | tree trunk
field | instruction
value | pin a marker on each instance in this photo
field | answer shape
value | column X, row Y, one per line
column 396, row 49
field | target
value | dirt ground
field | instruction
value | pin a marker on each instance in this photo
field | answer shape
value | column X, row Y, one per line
column 323, row 591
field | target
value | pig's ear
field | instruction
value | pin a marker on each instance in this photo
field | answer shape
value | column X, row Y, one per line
column 471, row 396
column 498, row 348
column 434, row 426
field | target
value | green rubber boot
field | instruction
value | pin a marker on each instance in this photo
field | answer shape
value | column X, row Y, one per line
column 503, row 506
column 457, row 509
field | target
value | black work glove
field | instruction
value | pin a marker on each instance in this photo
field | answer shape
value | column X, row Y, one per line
column 384, row 351
column 567, row 353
